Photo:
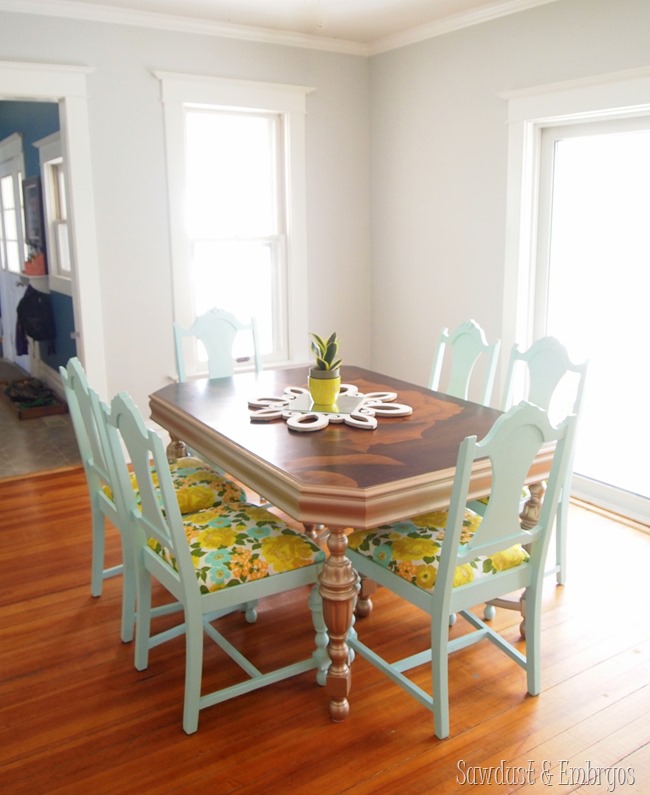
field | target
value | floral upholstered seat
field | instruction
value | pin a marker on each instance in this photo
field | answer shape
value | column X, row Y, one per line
column 240, row 542
column 197, row 485
column 411, row 549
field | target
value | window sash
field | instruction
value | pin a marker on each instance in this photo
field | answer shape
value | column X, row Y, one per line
column 180, row 91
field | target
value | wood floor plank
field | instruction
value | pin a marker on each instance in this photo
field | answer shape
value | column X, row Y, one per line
column 75, row 715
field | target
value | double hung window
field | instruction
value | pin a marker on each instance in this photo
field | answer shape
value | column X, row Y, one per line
column 13, row 250
column 235, row 155
column 55, row 212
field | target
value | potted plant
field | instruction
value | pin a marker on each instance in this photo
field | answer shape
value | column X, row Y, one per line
column 325, row 374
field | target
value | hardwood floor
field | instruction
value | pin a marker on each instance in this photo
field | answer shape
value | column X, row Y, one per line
column 75, row 715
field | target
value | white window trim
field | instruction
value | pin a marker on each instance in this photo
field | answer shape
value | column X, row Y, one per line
column 50, row 148
column 609, row 96
column 178, row 90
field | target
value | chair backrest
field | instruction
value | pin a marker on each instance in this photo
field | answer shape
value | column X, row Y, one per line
column 546, row 364
column 216, row 330
column 158, row 514
column 467, row 343
column 511, row 447
column 88, row 434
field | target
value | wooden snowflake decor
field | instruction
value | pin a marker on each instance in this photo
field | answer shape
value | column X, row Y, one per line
column 352, row 408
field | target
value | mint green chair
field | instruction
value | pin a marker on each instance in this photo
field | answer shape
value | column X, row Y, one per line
column 216, row 330
column 545, row 375
column 466, row 344
column 211, row 562
column 196, row 486
column 446, row 569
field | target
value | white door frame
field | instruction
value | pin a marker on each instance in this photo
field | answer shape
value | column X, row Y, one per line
column 610, row 96
column 66, row 84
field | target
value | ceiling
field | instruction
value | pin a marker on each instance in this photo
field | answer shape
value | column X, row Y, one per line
column 363, row 26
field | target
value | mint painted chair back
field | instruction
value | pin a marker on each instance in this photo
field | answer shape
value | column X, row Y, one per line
column 217, row 331
column 544, row 366
column 211, row 562
column 445, row 569
column 466, row 344
column 556, row 383
column 102, row 506
column 196, row 486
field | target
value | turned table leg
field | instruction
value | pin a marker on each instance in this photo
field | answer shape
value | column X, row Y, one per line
column 313, row 530
column 176, row 449
column 533, row 506
column 338, row 589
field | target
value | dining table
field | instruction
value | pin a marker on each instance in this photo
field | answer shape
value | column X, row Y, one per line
column 342, row 476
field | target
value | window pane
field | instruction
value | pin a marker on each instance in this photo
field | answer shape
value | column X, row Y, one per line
column 11, row 230
column 10, row 220
column 237, row 276
column 7, row 192
column 62, row 247
column 231, row 166
column 59, row 191
column 14, row 260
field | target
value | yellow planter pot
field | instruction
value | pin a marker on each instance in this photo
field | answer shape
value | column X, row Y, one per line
column 324, row 387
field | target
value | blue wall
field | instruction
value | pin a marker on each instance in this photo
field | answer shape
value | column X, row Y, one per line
column 36, row 120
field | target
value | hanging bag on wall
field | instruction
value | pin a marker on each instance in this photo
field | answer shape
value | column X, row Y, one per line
column 35, row 317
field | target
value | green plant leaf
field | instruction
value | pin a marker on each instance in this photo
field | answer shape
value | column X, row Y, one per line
column 325, row 351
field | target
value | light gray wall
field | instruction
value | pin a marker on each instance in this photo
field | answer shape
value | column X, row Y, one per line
column 414, row 139
column 439, row 162
column 128, row 163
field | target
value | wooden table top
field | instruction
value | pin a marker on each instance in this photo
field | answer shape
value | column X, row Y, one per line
column 340, row 476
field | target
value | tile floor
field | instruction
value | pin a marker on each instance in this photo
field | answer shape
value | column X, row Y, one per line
column 34, row 445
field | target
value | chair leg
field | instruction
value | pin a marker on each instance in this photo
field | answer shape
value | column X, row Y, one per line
column 97, row 559
column 320, row 655
column 128, row 592
column 533, row 601
column 560, row 535
column 193, row 670
column 143, row 621
column 440, row 676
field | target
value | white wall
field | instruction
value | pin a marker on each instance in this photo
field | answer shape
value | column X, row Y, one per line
column 415, row 139
column 439, row 162
column 128, row 170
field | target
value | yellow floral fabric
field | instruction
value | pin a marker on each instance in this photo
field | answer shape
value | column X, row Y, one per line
column 240, row 542
column 411, row 549
column 197, row 485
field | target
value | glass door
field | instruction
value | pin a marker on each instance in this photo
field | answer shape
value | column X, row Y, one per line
column 592, row 292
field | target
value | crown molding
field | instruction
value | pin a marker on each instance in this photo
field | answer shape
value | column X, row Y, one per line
column 449, row 24
column 70, row 9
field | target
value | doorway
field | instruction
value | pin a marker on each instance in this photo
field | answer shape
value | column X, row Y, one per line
column 65, row 84
column 592, row 283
